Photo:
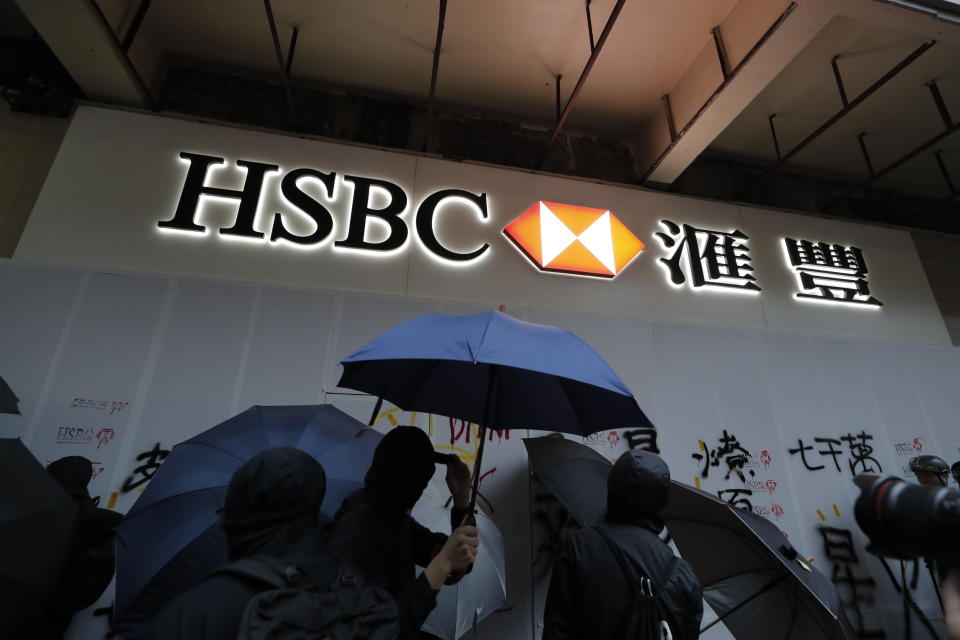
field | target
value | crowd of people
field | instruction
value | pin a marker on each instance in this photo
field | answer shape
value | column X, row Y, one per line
column 291, row 569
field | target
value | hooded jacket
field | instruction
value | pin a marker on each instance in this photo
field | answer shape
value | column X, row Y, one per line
column 91, row 559
column 374, row 531
column 272, row 508
column 590, row 598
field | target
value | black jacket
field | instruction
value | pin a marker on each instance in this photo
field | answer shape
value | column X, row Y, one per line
column 91, row 558
column 590, row 598
column 387, row 545
column 212, row 610
column 271, row 508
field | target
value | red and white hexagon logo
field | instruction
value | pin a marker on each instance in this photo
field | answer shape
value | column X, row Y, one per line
column 577, row 240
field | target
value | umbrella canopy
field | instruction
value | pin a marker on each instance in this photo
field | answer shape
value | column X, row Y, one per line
column 575, row 474
column 171, row 538
column 751, row 575
column 481, row 592
column 36, row 518
column 495, row 371
column 9, row 402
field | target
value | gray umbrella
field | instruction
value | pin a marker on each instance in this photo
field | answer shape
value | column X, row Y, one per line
column 751, row 575
column 36, row 517
column 8, row 400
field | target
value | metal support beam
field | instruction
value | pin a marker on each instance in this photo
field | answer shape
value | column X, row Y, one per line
column 723, row 85
column 896, row 164
column 134, row 27
column 441, row 21
column 773, row 132
column 583, row 77
column 671, row 125
column 839, row 78
column 853, row 104
column 281, row 67
column 593, row 44
column 292, row 48
column 941, row 105
column 946, row 174
column 559, row 76
column 866, row 154
column 721, row 52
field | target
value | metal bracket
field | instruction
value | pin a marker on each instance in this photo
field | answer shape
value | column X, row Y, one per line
column 836, row 74
column 593, row 44
column 721, row 52
column 866, row 154
column 559, row 76
column 946, row 174
column 670, row 123
column 773, row 132
column 292, row 48
column 941, row 105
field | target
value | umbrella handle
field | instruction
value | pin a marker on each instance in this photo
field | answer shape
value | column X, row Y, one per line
column 482, row 433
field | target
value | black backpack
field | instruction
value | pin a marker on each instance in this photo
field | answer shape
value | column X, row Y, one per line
column 291, row 606
column 648, row 605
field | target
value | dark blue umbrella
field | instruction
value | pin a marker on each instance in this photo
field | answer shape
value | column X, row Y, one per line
column 495, row 371
column 171, row 538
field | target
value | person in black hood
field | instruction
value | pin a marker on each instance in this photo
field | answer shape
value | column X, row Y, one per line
column 272, row 508
column 590, row 596
column 374, row 531
column 90, row 560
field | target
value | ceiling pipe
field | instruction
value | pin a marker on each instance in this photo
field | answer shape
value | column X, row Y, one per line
column 847, row 108
column 583, row 78
column 441, row 22
column 281, row 66
column 723, row 85
column 896, row 164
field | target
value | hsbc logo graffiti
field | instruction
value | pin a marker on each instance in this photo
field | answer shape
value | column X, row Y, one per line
column 80, row 435
column 74, row 435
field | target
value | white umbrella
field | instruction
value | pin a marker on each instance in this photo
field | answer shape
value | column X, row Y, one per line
column 480, row 592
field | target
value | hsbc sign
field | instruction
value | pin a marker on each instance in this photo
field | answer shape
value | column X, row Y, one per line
column 555, row 237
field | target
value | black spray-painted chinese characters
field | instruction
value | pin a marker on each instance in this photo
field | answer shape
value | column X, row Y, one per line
column 152, row 460
column 714, row 258
column 859, row 450
column 830, row 272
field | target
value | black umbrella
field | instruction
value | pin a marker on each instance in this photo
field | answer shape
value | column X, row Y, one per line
column 8, row 399
column 574, row 473
column 36, row 515
column 751, row 575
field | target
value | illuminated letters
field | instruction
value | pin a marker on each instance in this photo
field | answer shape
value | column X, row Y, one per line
column 185, row 217
column 360, row 210
column 428, row 209
column 296, row 196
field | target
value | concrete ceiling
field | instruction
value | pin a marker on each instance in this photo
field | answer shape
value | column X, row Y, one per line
column 499, row 56
column 896, row 119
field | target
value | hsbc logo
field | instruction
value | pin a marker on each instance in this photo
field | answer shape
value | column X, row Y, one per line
column 576, row 240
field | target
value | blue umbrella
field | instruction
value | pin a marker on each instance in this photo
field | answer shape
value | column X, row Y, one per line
column 495, row 371
column 171, row 538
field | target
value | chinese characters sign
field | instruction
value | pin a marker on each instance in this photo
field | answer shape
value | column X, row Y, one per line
column 830, row 272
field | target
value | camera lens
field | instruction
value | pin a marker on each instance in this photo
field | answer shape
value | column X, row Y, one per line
column 908, row 521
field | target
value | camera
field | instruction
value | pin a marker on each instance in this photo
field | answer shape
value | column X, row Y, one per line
column 909, row 521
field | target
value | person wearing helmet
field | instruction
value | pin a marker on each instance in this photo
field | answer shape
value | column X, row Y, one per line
column 930, row 470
